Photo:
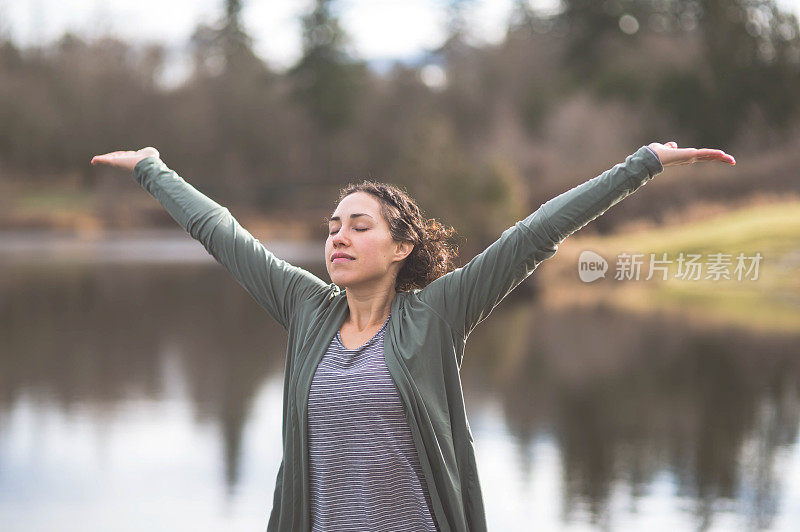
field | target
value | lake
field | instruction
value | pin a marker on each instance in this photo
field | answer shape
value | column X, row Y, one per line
column 141, row 388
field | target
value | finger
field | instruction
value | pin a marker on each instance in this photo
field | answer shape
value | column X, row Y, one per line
column 726, row 158
column 707, row 156
column 118, row 154
column 721, row 156
column 686, row 153
column 709, row 151
column 717, row 154
column 109, row 158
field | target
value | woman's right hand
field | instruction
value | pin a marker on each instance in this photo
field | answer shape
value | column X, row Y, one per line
column 124, row 159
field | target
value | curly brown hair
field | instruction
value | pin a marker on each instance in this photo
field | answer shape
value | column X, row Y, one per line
column 432, row 255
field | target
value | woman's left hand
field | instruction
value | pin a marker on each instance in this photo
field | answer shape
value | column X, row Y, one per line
column 671, row 155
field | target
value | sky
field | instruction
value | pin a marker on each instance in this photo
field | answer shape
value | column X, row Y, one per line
column 379, row 29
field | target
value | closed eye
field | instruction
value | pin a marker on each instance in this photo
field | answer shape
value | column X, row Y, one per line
column 334, row 232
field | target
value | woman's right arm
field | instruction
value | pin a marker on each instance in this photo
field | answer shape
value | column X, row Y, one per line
column 275, row 284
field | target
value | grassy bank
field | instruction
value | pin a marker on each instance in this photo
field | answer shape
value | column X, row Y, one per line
column 767, row 298
column 72, row 208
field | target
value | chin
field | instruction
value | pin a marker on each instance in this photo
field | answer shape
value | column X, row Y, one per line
column 340, row 280
column 344, row 281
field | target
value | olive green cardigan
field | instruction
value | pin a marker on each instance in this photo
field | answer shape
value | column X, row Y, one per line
column 425, row 337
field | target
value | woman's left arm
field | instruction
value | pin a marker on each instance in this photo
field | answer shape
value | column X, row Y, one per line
column 577, row 207
column 467, row 295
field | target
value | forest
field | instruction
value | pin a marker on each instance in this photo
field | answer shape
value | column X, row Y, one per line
column 481, row 133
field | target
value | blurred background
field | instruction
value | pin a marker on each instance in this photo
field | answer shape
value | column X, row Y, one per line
column 141, row 387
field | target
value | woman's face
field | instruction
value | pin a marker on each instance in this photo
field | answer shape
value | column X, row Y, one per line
column 357, row 229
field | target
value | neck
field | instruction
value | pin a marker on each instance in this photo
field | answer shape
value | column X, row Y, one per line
column 368, row 307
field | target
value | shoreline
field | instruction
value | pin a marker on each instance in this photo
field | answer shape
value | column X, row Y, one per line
column 21, row 246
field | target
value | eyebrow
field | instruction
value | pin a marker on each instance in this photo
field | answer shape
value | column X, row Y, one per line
column 356, row 215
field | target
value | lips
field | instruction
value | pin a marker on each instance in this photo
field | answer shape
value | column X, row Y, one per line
column 340, row 255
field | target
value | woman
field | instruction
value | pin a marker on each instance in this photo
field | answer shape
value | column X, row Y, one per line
column 375, row 433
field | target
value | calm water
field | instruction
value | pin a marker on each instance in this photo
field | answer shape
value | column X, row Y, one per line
column 148, row 397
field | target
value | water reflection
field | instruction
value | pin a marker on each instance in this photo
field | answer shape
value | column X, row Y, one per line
column 589, row 403
column 628, row 397
column 99, row 336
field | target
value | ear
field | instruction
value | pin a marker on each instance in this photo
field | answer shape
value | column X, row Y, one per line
column 403, row 250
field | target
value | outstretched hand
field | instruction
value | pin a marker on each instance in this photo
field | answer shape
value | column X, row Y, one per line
column 124, row 159
column 671, row 155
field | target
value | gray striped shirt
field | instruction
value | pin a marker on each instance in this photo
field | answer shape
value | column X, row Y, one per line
column 364, row 468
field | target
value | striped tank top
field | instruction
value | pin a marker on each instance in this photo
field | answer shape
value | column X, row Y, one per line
column 364, row 469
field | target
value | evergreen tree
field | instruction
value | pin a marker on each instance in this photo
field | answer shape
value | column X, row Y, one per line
column 326, row 79
column 225, row 48
column 750, row 63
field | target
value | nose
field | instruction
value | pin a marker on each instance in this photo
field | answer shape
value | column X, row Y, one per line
column 339, row 239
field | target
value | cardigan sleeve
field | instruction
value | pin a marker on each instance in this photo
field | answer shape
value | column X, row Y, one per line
column 275, row 284
column 466, row 296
